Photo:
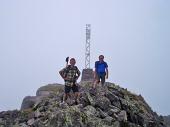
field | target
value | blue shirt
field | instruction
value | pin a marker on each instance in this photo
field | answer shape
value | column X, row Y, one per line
column 100, row 66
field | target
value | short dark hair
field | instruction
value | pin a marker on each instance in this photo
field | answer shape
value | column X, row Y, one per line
column 101, row 56
column 72, row 59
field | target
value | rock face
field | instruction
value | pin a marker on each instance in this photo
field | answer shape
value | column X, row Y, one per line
column 108, row 106
column 167, row 120
column 29, row 101
column 42, row 93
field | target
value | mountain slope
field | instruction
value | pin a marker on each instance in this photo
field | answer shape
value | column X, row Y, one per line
column 109, row 106
column 167, row 120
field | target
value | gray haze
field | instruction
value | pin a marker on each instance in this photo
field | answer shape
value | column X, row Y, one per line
column 37, row 35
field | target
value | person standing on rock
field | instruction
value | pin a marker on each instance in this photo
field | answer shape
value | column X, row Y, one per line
column 101, row 71
column 70, row 74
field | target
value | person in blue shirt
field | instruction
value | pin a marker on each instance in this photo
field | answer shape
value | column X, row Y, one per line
column 101, row 71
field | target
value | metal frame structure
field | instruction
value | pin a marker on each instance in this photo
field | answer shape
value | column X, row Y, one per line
column 87, row 53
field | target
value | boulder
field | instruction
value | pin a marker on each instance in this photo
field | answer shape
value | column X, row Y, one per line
column 102, row 103
column 30, row 101
column 50, row 89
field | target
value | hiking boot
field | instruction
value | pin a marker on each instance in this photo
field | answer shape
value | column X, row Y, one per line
column 63, row 102
column 77, row 102
column 72, row 102
column 103, row 85
column 93, row 91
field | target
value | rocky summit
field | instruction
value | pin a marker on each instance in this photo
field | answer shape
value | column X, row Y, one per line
column 108, row 106
column 167, row 120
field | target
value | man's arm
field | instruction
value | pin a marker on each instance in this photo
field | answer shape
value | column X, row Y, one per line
column 95, row 71
column 61, row 73
column 107, row 73
column 78, row 74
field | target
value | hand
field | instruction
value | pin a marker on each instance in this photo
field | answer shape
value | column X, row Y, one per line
column 76, row 78
column 76, row 84
column 106, row 76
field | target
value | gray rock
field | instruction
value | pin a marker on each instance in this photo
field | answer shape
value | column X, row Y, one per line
column 108, row 121
column 116, row 124
column 23, row 125
column 112, row 112
column 90, row 111
column 38, row 114
column 90, row 99
column 43, row 93
column 30, row 101
column 122, row 116
column 167, row 120
column 31, row 122
column 102, row 102
column 50, row 89
column 113, row 99
column 101, row 113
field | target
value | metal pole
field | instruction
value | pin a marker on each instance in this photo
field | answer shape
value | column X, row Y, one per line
column 87, row 53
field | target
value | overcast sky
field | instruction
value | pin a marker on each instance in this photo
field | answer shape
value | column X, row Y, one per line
column 37, row 35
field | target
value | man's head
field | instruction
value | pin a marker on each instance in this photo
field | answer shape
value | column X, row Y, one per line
column 101, row 58
column 72, row 61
